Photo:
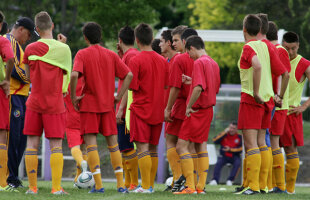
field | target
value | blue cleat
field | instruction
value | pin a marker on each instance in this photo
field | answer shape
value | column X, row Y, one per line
column 93, row 190
column 122, row 190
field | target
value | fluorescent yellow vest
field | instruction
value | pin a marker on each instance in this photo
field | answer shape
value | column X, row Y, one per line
column 246, row 75
column 127, row 116
column 2, row 70
column 295, row 88
column 287, row 92
column 59, row 55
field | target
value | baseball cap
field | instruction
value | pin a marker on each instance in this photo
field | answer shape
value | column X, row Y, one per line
column 28, row 24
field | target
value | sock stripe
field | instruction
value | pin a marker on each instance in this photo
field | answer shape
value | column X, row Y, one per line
column 186, row 156
column 292, row 156
column 170, row 148
column 276, row 152
column 253, row 151
column 92, row 148
column 114, row 149
column 56, row 150
column 130, row 156
column 143, row 154
column 154, row 154
column 265, row 148
column 3, row 147
column 201, row 155
column 194, row 155
column 31, row 153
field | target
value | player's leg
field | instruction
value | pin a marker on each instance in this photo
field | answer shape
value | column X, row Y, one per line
column 173, row 156
column 265, row 160
column 202, row 165
column 194, row 155
column 154, row 159
column 221, row 161
column 278, row 163
column 292, row 166
column 56, row 162
column 145, row 163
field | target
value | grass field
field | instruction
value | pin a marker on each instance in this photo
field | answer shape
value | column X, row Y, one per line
column 213, row 192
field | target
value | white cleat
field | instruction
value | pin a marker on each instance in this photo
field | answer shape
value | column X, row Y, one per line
column 229, row 183
column 213, row 182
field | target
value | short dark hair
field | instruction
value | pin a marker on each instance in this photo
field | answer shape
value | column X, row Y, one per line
column 155, row 46
column 144, row 34
column 188, row 32
column 178, row 30
column 93, row 32
column 234, row 123
column 272, row 33
column 127, row 35
column 252, row 24
column 1, row 17
column 4, row 28
column 194, row 41
column 291, row 37
column 167, row 36
column 264, row 19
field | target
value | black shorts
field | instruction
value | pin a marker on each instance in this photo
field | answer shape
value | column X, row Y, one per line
column 124, row 138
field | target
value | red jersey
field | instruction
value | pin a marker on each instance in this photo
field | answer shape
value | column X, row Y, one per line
column 73, row 117
column 301, row 68
column 46, row 92
column 285, row 59
column 6, row 51
column 206, row 73
column 130, row 53
column 150, row 76
column 182, row 64
column 167, row 91
column 98, row 66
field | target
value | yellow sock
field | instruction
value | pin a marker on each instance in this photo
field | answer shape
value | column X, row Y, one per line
column 57, row 164
column 145, row 165
column 203, row 167
column 116, row 161
column 195, row 161
column 269, row 179
column 174, row 162
column 132, row 165
column 31, row 161
column 126, row 173
column 278, row 168
column 78, row 172
column 264, row 167
column 154, row 158
column 187, row 166
column 85, row 157
column 292, row 167
column 3, row 164
column 245, row 182
column 253, row 163
column 94, row 164
column 77, row 155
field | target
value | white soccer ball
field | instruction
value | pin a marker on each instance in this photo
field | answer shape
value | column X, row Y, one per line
column 85, row 180
column 169, row 181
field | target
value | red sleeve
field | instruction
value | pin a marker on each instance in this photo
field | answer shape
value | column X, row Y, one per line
column 26, row 55
column 199, row 77
column 6, row 51
column 167, row 74
column 78, row 63
column 175, row 77
column 121, row 69
column 277, row 68
column 134, row 67
column 285, row 59
column 246, row 57
column 301, row 68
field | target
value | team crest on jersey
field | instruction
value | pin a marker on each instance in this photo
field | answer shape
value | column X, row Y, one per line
column 16, row 113
column 236, row 141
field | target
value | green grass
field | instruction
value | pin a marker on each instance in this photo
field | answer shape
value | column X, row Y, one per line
column 111, row 193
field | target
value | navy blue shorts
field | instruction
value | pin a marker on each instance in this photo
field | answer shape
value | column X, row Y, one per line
column 124, row 138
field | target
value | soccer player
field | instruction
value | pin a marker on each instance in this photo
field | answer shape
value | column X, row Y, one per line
column 277, row 123
column 126, row 40
column 19, row 90
column 6, row 56
column 199, row 114
column 176, row 106
column 293, row 130
column 156, row 47
column 277, row 68
column 99, row 66
column 47, row 64
column 150, row 72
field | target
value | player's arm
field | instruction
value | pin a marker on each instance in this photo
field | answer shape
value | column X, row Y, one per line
column 217, row 139
column 5, row 84
column 73, row 82
column 173, row 95
column 299, row 109
column 256, row 79
column 124, row 87
column 195, row 95
column 121, row 108
column 284, row 84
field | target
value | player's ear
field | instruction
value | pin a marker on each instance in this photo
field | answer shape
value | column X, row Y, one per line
column 52, row 26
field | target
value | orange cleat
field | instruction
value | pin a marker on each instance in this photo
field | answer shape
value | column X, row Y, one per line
column 186, row 191
column 132, row 187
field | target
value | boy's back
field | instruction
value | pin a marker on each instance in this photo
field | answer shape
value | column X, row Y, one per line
column 150, row 72
column 99, row 66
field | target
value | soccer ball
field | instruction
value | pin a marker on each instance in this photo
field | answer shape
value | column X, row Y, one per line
column 85, row 180
column 169, row 181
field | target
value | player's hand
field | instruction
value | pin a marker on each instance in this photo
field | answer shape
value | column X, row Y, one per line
column 226, row 148
column 76, row 102
column 119, row 116
column 297, row 109
column 278, row 101
column 226, row 130
column 258, row 99
column 5, row 85
column 189, row 111
column 186, row 79
column 117, row 99
column 62, row 38
column 119, row 50
column 65, row 94
column 168, row 116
